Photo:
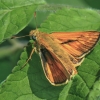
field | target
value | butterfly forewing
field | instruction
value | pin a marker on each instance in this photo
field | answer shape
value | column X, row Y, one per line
column 77, row 44
column 53, row 68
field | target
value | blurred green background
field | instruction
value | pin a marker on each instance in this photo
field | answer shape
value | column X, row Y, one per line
column 11, row 49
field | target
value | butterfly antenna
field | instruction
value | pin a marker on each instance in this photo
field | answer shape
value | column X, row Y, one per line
column 19, row 36
column 35, row 19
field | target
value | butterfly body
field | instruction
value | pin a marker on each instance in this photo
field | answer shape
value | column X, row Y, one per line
column 61, row 52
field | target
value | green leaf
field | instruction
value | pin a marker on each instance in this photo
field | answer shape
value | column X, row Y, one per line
column 31, row 83
column 95, row 93
column 15, row 15
column 72, row 20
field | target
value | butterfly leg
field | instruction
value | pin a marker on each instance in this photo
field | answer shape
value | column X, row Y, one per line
column 29, row 57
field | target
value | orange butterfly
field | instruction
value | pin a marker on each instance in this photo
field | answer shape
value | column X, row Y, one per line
column 61, row 52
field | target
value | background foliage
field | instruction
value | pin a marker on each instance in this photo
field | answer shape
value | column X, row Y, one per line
column 30, row 82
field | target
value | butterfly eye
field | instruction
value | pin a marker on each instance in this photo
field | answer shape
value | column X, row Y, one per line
column 33, row 38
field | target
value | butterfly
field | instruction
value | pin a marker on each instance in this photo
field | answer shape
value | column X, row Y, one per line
column 62, row 52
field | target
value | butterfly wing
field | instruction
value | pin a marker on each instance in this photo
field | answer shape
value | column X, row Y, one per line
column 77, row 44
column 54, row 70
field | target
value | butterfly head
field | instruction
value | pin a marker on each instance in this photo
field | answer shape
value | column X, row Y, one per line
column 34, row 34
